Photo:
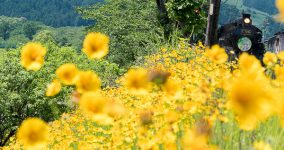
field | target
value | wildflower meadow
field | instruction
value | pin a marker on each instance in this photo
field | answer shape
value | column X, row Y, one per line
column 185, row 96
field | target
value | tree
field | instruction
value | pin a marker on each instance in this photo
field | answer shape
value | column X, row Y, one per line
column 133, row 28
column 5, row 29
column 163, row 17
column 186, row 15
column 30, row 29
column 51, row 12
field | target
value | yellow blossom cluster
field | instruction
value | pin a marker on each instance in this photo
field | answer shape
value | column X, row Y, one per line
column 280, row 6
column 171, row 102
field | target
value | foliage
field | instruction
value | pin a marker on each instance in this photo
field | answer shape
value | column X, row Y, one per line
column 132, row 26
column 54, row 13
column 188, row 15
column 30, row 29
column 23, row 93
column 15, row 32
column 69, row 36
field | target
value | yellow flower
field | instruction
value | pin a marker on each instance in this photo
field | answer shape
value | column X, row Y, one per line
column 280, row 6
column 96, row 45
column 137, row 81
column 33, row 133
column 279, row 72
column 261, row 146
column 102, row 119
column 115, row 110
column 281, row 56
column 251, row 101
column 251, row 67
column 269, row 59
column 88, row 81
column 217, row 54
column 67, row 73
column 163, row 49
column 32, row 56
column 93, row 103
column 172, row 88
column 194, row 141
column 172, row 116
column 53, row 88
column 200, row 44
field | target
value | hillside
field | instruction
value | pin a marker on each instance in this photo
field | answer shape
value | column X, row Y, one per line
column 17, row 31
column 54, row 13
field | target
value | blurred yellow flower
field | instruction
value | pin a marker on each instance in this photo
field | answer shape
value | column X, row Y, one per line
column 33, row 133
column 115, row 110
column 217, row 54
column 88, row 81
column 53, row 88
column 93, row 103
column 281, row 56
column 269, row 59
column 96, row 45
column 173, row 88
column 279, row 72
column 249, row 62
column 280, row 6
column 250, row 101
column 102, row 119
column 32, row 56
column 193, row 141
column 137, row 81
column 67, row 73
column 261, row 146
column 251, row 67
column 172, row 116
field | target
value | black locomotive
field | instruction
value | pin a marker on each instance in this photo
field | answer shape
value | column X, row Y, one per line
column 241, row 36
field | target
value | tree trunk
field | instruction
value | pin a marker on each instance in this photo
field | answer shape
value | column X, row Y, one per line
column 164, row 17
column 212, row 25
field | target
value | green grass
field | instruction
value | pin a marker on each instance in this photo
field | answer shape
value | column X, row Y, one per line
column 228, row 136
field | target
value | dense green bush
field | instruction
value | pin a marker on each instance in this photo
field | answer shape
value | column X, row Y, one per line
column 69, row 36
column 188, row 15
column 22, row 93
column 132, row 26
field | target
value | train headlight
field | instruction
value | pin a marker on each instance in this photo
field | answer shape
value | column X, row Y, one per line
column 244, row 44
column 247, row 21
